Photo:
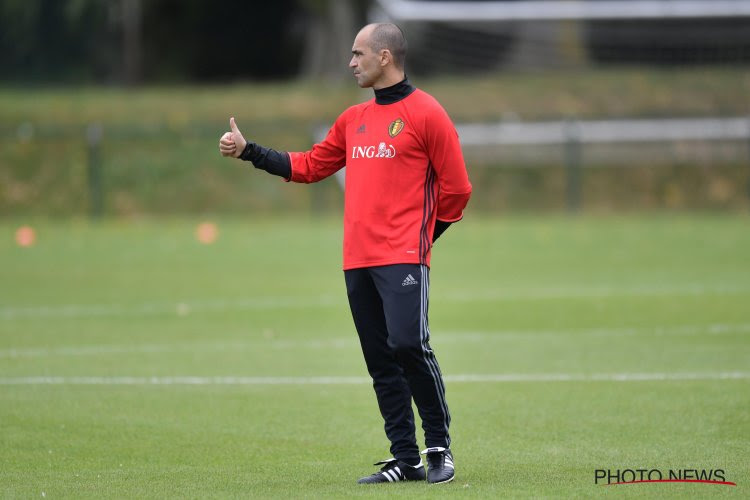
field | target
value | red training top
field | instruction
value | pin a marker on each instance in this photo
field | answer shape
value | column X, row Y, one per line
column 404, row 170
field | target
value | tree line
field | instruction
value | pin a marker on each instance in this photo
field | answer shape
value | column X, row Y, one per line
column 137, row 41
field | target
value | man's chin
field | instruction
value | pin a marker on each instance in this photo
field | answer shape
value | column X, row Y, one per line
column 363, row 83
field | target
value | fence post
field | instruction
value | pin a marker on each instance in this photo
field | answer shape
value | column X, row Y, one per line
column 572, row 131
column 94, row 134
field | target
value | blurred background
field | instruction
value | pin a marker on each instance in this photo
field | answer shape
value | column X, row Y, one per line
column 115, row 107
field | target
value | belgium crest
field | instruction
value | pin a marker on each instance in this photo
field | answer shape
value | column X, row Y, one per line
column 395, row 127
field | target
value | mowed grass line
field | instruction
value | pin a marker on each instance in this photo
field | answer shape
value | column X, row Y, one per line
column 269, row 354
column 518, row 295
column 510, row 439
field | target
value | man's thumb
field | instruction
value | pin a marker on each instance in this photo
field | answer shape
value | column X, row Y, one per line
column 233, row 125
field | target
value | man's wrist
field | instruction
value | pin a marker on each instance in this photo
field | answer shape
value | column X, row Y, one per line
column 272, row 161
column 440, row 227
column 247, row 152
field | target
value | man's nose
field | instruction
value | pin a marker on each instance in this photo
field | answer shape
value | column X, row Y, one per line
column 352, row 63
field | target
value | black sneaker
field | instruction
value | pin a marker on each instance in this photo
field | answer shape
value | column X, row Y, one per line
column 393, row 471
column 439, row 465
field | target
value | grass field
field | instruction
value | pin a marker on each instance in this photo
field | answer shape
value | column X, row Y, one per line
column 159, row 146
column 135, row 362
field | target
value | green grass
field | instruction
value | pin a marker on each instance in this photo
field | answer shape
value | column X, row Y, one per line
column 591, row 92
column 518, row 295
column 159, row 146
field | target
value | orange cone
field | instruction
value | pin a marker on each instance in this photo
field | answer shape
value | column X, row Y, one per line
column 25, row 236
column 207, row 232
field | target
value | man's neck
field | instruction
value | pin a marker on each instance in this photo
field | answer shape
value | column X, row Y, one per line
column 389, row 80
column 394, row 93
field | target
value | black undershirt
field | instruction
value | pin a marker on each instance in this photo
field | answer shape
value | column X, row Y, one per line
column 394, row 93
column 278, row 163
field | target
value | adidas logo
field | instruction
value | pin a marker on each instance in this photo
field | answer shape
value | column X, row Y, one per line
column 409, row 280
column 361, row 129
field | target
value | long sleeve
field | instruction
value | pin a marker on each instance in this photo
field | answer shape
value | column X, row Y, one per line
column 447, row 159
column 325, row 158
column 272, row 161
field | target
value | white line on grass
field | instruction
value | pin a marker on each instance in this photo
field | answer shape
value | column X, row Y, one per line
column 351, row 342
column 656, row 331
column 593, row 291
column 261, row 303
column 155, row 308
column 467, row 378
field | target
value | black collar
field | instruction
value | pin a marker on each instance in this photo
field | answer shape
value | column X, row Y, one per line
column 394, row 93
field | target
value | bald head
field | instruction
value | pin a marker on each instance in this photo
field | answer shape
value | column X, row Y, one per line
column 378, row 55
column 388, row 36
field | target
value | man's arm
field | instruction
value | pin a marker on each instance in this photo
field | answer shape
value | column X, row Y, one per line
column 446, row 157
column 272, row 161
column 325, row 158
column 233, row 144
column 321, row 161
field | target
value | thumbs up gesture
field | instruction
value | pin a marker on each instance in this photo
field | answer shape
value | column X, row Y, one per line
column 232, row 143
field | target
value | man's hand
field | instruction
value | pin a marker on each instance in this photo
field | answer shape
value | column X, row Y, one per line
column 232, row 143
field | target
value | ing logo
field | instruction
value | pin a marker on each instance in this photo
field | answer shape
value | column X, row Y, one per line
column 382, row 151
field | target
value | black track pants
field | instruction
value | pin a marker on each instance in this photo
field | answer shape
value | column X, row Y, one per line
column 389, row 307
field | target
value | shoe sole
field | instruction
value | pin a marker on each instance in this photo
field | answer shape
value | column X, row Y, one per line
column 446, row 481
column 401, row 481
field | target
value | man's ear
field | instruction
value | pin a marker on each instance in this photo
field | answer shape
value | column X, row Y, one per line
column 385, row 57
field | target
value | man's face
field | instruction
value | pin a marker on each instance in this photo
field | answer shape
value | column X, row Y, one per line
column 365, row 63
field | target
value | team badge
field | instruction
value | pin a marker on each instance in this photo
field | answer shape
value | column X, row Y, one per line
column 395, row 127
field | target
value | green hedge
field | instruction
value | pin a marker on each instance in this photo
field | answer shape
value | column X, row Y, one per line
column 159, row 148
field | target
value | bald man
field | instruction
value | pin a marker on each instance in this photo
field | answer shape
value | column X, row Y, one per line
column 406, row 182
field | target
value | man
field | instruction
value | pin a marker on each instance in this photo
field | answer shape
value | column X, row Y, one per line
column 406, row 182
